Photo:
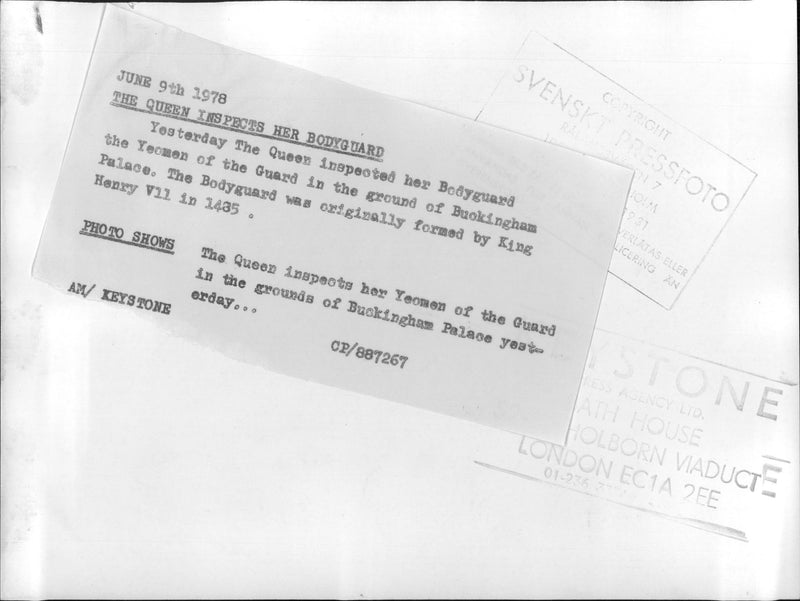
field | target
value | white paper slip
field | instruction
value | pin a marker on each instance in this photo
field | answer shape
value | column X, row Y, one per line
column 705, row 445
column 684, row 191
column 331, row 233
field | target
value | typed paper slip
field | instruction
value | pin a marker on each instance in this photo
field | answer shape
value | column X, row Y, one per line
column 330, row 233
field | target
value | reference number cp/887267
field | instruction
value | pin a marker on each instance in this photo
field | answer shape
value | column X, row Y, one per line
column 354, row 349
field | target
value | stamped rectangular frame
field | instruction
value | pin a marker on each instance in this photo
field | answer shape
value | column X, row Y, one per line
column 505, row 109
